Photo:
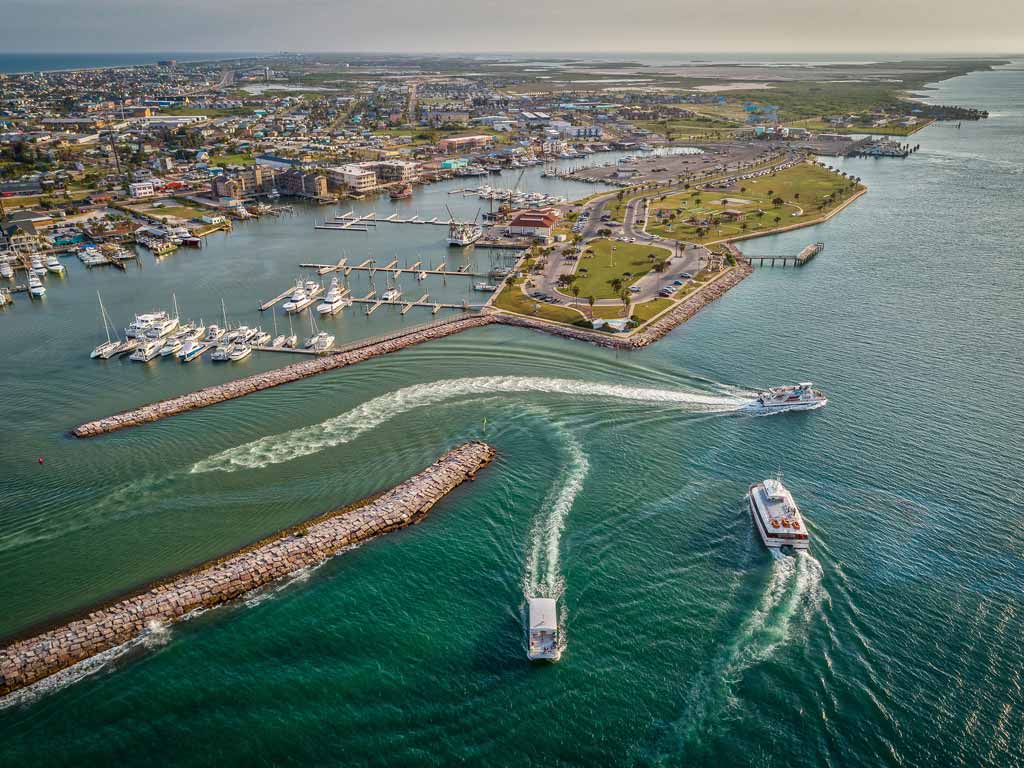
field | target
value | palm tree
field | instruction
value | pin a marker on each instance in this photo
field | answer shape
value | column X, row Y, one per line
column 625, row 296
column 778, row 219
column 590, row 301
column 575, row 294
column 616, row 284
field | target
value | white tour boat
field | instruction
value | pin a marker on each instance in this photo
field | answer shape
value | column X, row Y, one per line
column 798, row 397
column 543, row 637
column 776, row 516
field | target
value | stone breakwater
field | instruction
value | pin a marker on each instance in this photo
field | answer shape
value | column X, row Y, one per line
column 657, row 328
column 27, row 661
column 275, row 378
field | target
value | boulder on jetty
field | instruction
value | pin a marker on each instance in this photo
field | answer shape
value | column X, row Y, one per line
column 27, row 661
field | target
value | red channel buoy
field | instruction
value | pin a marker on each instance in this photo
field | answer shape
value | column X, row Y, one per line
column 40, row 459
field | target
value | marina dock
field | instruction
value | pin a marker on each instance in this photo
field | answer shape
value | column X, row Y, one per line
column 101, row 628
column 808, row 253
column 395, row 270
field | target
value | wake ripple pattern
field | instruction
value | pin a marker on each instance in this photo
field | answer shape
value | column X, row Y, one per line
column 294, row 444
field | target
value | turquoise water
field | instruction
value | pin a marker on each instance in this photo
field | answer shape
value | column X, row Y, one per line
column 619, row 487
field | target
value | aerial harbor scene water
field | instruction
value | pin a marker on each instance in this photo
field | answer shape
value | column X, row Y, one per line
column 509, row 408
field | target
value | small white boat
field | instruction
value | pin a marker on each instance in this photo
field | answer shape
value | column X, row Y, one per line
column 291, row 342
column 213, row 333
column 799, row 397
column 488, row 287
column 110, row 347
column 318, row 340
column 147, row 350
column 543, row 630
column 391, row 294
column 278, row 341
column 261, row 337
column 239, row 352
column 6, row 270
column 54, row 265
column 190, row 350
column 35, row 287
column 776, row 516
column 171, row 346
column 222, row 353
column 421, row 276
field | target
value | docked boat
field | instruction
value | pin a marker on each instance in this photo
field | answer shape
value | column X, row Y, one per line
column 110, row 347
column 36, row 288
column 160, row 328
column 302, row 297
column 222, row 353
column 334, row 301
column 391, row 294
column 142, row 323
column 171, row 346
column 260, row 338
column 239, row 352
column 543, row 630
column 6, row 270
column 147, row 350
column 401, row 194
column 464, row 234
column 798, row 397
column 421, row 276
column 776, row 515
column 53, row 265
column 190, row 350
column 319, row 341
column 213, row 333
column 487, row 287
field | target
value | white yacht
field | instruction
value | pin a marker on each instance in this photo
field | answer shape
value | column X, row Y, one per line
column 543, row 630
column 190, row 350
column 239, row 352
column 53, row 265
column 171, row 346
column 160, row 328
column 37, row 267
column 776, row 516
column 391, row 294
column 142, row 323
column 798, row 397
column 6, row 270
column 335, row 299
column 261, row 337
column 147, row 350
column 222, row 353
column 319, row 341
column 482, row 286
column 35, row 287
column 214, row 332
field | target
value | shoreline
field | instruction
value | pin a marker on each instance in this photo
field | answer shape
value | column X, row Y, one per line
column 100, row 628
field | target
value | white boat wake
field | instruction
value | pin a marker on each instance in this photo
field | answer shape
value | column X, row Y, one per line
column 287, row 446
column 791, row 599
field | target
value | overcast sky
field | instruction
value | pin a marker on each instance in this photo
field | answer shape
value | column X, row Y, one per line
column 675, row 26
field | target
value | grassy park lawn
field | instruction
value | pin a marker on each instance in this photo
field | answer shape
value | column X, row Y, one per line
column 513, row 299
column 236, row 159
column 613, row 259
column 645, row 310
column 174, row 208
column 807, row 190
column 883, row 130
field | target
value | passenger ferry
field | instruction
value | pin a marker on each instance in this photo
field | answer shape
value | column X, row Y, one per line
column 776, row 516
column 543, row 630
column 798, row 397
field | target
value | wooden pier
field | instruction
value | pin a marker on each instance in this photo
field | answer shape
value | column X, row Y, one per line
column 395, row 270
column 360, row 223
column 799, row 260
column 424, row 301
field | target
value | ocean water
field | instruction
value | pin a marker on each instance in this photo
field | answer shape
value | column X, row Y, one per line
column 618, row 488
column 49, row 62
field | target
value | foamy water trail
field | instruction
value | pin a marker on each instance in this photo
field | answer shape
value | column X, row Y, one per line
column 543, row 576
column 276, row 449
column 790, row 601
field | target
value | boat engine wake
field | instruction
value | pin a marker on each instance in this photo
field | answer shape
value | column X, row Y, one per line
column 791, row 599
column 543, row 574
column 346, row 427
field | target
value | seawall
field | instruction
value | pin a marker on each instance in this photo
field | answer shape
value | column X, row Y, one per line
column 32, row 659
column 275, row 378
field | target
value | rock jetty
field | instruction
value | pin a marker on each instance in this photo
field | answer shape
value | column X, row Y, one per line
column 29, row 660
column 275, row 378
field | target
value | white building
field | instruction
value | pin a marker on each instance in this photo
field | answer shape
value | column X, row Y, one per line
column 353, row 177
column 141, row 189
